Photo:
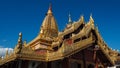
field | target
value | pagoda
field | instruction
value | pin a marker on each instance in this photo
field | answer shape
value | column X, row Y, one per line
column 80, row 45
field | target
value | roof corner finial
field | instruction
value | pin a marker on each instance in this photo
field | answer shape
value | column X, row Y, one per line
column 81, row 18
column 91, row 19
column 69, row 20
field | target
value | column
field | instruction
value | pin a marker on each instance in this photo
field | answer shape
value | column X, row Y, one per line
column 11, row 64
column 19, row 63
column 49, row 65
column 65, row 63
column 84, row 60
column 24, row 64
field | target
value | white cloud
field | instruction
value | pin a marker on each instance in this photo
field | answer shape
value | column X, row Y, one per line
column 3, row 51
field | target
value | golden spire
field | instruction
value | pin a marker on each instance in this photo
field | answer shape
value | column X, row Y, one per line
column 50, row 9
column 49, row 26
column 69, row 20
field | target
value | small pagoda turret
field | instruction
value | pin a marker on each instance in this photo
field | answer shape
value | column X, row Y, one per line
column 48, row 33
column 49, row 26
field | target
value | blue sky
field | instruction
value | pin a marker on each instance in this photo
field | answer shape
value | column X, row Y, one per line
column 26, row 16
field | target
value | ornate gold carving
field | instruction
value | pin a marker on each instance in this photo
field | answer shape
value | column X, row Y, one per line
column 42, row 47
column 19, row 45
column 49, row 26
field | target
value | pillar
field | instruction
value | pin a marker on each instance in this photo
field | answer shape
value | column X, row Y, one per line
column 24, row 63
column 49, row 65
column 65, row 63
column 83, row 59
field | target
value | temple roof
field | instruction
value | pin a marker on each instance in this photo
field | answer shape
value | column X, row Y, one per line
column 48, row 30
column 49, row 26
column 39, row 49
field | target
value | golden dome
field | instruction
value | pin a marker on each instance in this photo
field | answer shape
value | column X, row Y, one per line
column 49, row 26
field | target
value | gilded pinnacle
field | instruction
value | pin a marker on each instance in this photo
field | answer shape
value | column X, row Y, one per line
column 70, row 20
column 50, row 9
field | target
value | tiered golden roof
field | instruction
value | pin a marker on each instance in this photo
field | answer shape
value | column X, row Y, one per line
column 42, row 48
column 48, row 32
column 49, row 26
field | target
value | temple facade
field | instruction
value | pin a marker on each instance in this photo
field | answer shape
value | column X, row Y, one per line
column 80, row 45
